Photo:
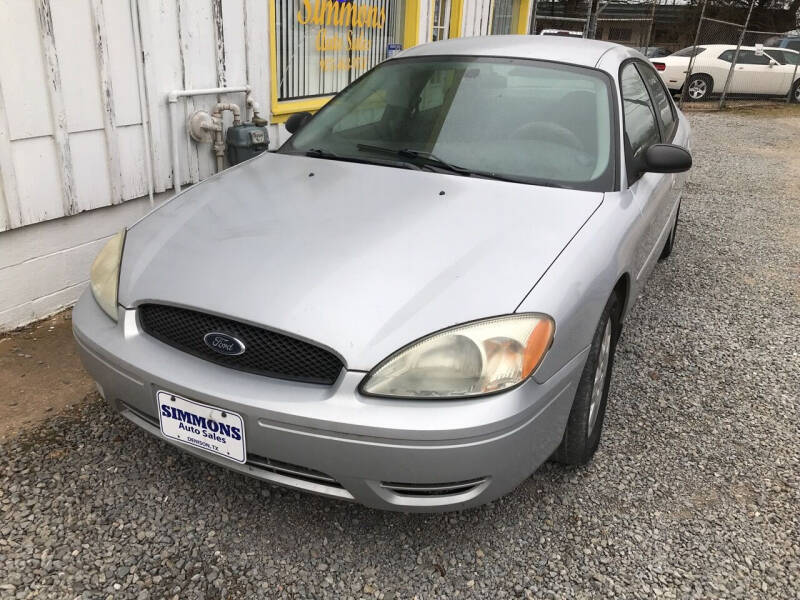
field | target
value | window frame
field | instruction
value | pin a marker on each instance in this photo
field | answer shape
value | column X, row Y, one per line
column 666, row 136
column 628, row 148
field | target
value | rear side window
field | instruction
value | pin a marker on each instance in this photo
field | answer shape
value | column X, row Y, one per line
column 793, row 45
column 662, row 102
column 690, row 51
column 727, row 56
column 641, row 127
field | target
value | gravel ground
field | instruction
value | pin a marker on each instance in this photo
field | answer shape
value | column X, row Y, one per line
column 694, row 492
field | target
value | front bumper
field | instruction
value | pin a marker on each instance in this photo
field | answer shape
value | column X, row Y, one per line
column 392, row 454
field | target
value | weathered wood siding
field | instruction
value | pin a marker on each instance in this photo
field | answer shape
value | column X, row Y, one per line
column 476, row 18
column 71, row 123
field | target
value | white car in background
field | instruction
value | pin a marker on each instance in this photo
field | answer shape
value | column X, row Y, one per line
column 562, row 32
column 759, row 71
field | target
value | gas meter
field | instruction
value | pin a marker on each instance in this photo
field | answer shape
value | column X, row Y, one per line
column 245, row 141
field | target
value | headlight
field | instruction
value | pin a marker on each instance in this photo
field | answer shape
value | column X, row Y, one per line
column 105, row 274
column 469, row 360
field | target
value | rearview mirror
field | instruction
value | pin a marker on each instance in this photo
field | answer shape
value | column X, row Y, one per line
column 296, row 121
column 667, row 158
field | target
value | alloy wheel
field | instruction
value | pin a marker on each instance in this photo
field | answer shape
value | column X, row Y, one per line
column 697, row 89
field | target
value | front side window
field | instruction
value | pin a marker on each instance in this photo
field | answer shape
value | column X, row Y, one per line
column 662, row 101
column 792, row 58
column 641, row 127
column 783, row 57
column 525, row 120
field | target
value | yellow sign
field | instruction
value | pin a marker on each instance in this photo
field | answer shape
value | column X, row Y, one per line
column 349, row 14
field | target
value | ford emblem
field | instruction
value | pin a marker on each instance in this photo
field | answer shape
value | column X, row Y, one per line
column 224, row 343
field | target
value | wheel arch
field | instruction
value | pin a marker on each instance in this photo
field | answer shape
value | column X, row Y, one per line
column 623, row 291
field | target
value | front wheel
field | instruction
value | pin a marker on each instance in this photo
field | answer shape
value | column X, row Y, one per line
column 585, row 423
column 700, row 87
column 795, row 97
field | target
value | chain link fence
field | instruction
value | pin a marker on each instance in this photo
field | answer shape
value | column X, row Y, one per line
column 706, row 51
column 561, row 18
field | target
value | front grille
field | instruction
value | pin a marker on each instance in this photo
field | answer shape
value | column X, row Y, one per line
column 266, row 352
column 432, row 489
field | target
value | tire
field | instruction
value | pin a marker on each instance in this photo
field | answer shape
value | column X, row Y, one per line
column 671, row 239
column 700, row 88
column 585, row 423
column 795, row 97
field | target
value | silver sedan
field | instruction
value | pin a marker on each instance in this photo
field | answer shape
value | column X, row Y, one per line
column 416, row 300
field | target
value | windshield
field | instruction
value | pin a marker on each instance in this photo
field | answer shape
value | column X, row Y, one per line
column 524, row 120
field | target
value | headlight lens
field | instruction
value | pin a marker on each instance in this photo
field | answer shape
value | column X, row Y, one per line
column 105, row 274
column 469, row 360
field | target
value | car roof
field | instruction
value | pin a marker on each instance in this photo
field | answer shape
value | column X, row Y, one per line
column 571, row 50
column 733, row 47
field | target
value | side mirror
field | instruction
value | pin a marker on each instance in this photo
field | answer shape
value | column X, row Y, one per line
column 296, row 121
column 667, row 158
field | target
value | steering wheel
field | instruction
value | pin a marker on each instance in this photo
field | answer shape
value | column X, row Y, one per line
column 546, row 131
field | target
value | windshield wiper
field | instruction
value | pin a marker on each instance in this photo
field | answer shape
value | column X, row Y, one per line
column 324, row 153
column 321, row 153
column 431, row 160
column 428, row 157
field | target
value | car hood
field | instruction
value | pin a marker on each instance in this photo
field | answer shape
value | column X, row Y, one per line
column 362, row 259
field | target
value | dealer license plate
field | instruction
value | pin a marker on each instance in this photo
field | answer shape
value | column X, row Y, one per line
column 202, row 426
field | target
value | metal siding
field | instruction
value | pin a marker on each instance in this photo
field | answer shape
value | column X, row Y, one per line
column 199, row 58
column 257, row 52
column 58, row 111
column 122, row 61
column 9, row 199
column 22, row 71
column 77, row 64
column 133, row 160
column 162, row 71
column 232, row 55
column 36, row 167
column 107, row 99
column 91, row 178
